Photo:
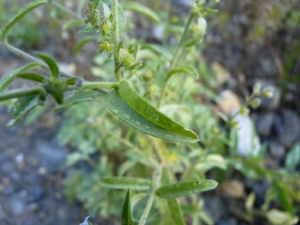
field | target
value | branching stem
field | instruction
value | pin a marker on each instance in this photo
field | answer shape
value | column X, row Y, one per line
column 175, row 59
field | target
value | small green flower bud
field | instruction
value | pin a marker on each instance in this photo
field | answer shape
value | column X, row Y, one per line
column 105, row 28
column 215, row 131
column 105, row 46
column 257, row 88
column 234, row 124
column 147, row 76
column 255, row 103
column 125, row 58
column 244, row 111
column 268, row 92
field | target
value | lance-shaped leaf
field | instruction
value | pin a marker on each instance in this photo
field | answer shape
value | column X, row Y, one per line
column 21, row 107
column 9, row 77
column 126, row 183
column 185, row 188
column 29, row 7
column 144, row 10
column 292, row 158
column 81, row 96
column 159, row 49
column 138, row 113
column 32, row 76
column 190, row 70
column 50, row 62
column 126, row 210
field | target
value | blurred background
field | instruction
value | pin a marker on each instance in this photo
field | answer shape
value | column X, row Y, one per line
column 45, row 174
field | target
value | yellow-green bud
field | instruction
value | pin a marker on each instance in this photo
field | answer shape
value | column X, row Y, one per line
column 215, row 131
column 147, row 76
column 105, row 46
column 234, row 124
column 267, row 92
column 105, row 27
column 244, row 111
column 255, row 103
column 125, row 58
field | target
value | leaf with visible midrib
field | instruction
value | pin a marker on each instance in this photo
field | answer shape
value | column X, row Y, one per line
column 126, row 183
column 126, row 104
column 151, row 115
column 185, row 188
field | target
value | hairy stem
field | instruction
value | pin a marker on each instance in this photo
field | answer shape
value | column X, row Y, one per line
column 175, row 59
column 21, row 93
column 156, row 179
column 94, row 85
column 29, row 57
column 116, row 39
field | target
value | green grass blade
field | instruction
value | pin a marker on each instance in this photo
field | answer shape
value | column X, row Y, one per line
column 50, row 62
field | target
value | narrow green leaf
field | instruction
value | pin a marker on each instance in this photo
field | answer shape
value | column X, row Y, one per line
column 185, row 188
column 198, row 35
column 126, row 210
column 9, row 77
column 159, row 49
column 82, row 42
column 29, row 7
column 32, row 76
column 121, row 109
column 142, row 9
column 106, row 10
column 138, row 113
column 71, row 81
column 293, row 158
column 50, row 62
column 175, row 211
column 190, row 70
column 126, row 183
column 81, row 96
column 87, row 30
column 21, row 107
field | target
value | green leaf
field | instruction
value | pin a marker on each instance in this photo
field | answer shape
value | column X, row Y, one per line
column 142, row 9
column 283, row 196
column 82, row 42
column 29, row 7
column 87, row 30
column 51, row 63
column 159, row 49
column 9, row 77
column 126, row 210
column 79, row 97
column 126, row 104
column 198, row 35
column 32, row 76
column 126, row 183
column 175, row 211
column 21, row 107
column 190, row 70
column 293, row 158
column 185, row 188
column 121, row 20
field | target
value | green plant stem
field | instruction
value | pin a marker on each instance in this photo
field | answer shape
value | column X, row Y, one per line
column 66, row 10
column 29, row 57
column 156, row 179
column 94, row 85
column 175, row 59
column 21, row 93
column 116, row 39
